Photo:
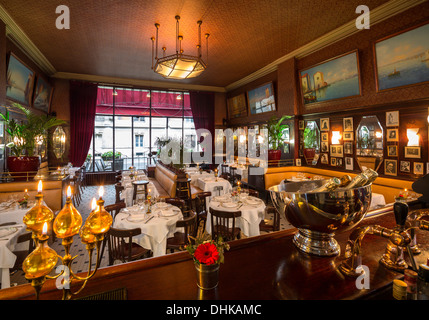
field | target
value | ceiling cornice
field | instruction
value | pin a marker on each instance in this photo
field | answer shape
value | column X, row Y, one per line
column 383, row 12
column 135, row 82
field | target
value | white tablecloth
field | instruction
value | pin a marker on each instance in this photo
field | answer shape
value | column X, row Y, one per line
column 377, row 200
column 12, row 215
column 252, row 213
column 127, row 193
column 194, row 176
column 154, row 231
column 209, row 184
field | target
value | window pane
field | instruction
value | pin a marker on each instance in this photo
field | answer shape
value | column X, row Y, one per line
column 123, row 142
column 103, row 141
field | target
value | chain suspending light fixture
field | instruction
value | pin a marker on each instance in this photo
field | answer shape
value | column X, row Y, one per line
column 179, row 65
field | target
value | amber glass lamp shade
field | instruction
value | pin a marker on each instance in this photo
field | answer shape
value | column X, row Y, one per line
column 68, row 221
column 99, row 220
column 40, row 262
column 86, row 236
column 36, row 217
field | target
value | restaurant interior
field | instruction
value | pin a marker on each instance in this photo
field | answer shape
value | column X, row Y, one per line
column 159, row 151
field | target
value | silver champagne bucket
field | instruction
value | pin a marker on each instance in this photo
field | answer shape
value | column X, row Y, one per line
column 318, row 216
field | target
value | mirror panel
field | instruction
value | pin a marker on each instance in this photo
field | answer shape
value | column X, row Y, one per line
column 311, row 143
column 369, row 143
column 59, row 142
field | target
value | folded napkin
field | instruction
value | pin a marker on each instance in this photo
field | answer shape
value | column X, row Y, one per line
column 7, row 231
column 167, row 213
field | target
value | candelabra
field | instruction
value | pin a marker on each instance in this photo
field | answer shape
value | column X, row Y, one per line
column 39, row 263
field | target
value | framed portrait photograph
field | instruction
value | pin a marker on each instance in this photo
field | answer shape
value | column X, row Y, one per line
column 348, row 124
column 405, row 166
column 412, row 152
column 324, row 136
column 324, row 158
column 391, row 167
column 237, row 106
column 339, row 162
column 348, row 148
column 418, row 167
column 336, row 150
column 348, row 136
column 261, row 99
column 401, row 59
column 392, row 119
column 332, row 79
column 301, row 125
column 324, row 124
column 324, row 146
column 19, row 81
column 392, row 135
column 349, row 163
column 298, row 162
column 333, row 162
column 392, row 151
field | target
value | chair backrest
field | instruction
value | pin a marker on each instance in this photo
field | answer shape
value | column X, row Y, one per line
column 253, row 193
column 176, row 202
column 119, row 242
column 114, row 209
column 218, row 189
column 276, row 217
column 118, row 189
column 190, row 226
column 201, row 202
column 223, row 223
column 28, row 236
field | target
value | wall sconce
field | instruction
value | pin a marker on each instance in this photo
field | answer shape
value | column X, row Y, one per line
column 378, row 134
column 59, row 142
column 413, row 137
column 336, row 137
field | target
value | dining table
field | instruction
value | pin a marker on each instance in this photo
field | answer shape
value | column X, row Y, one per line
column 252, row 211
column 215, row 185
column 194, row 174
column 156, row 226
column 10, row 212
column 127, row 183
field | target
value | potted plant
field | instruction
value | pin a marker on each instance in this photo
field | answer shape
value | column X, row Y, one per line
column 275, row 138
column 311, row 141
column 24, row 136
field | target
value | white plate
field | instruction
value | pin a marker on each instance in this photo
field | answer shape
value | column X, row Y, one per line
column 252, row 201
column 138, row 218
column 229, row 205
column 162, row 205
column 167, row 213
column 7, row 232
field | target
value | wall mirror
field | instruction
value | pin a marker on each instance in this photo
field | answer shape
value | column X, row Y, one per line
column 369, row 143
column 59, row 142
column 311, row 143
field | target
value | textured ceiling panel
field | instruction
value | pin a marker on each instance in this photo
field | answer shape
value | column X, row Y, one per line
column 112, row 38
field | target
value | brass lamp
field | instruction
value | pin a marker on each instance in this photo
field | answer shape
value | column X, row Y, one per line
column 67, row 224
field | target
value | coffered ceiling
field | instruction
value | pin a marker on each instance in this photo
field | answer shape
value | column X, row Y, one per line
column 110, row 39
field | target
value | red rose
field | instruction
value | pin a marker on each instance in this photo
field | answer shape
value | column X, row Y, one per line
column 206, row 253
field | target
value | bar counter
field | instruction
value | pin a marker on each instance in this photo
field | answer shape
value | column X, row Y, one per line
column 266, row 267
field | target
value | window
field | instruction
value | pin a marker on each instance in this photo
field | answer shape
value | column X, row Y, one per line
column 138, row 140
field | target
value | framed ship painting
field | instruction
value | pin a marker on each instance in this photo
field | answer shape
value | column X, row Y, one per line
column 333, row 79
column 237, row 106
column 261, row 99
column 402, row 59
column 19, row 81
column 42, row 95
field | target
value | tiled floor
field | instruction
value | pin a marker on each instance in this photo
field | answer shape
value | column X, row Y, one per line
column 80, row 264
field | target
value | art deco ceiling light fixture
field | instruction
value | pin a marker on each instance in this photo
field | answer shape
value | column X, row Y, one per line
column 179, row 65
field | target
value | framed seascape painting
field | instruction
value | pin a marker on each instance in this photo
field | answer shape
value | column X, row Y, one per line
column 333, row 79
column 19, row 81
column 262, row 99
column 42, row 95
column 237, row 106
column 402, row 59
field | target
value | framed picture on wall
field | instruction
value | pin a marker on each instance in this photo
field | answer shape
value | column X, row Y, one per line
column 348, row 136
column 392, row 151
column 324, row 159
column 349, row 163
column 301, row 124
column 19, row 81
column 332, row 79
column 324, row 124
column 405, row 166
column 324, row 136
column 412, row 152
column 42, row 95
column 392, row 119
column 237, row 106
column 348, row 124
column 390, row 167
column 402, row 59
column 392, row 135
column 418, row 167
column 348, row 148
column 261, row 99
column 336, row 150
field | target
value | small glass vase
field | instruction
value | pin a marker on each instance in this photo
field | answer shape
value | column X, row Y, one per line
column 207, row 276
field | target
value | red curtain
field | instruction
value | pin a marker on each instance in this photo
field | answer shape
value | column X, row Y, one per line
column 83, row 99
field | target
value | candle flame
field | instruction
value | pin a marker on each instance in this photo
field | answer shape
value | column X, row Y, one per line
column 40, row 186
column 26, row 190
column 101, row 191
column 93, row 204
column 69, row 192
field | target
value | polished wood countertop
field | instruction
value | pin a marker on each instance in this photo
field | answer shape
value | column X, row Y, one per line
column 266, row 267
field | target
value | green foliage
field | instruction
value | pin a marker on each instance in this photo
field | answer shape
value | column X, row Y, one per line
column 275, row 131
column 23, row 135
column 109, row 155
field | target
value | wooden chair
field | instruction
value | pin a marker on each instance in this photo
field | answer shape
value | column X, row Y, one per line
column 201, row 207
column 180, row 239
column 22, row 254
column 121, row 246
column 118, row 190
column 270, row 225
column 114, row 209
column 223, row 224
column 176, row 202
column 253, row 193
